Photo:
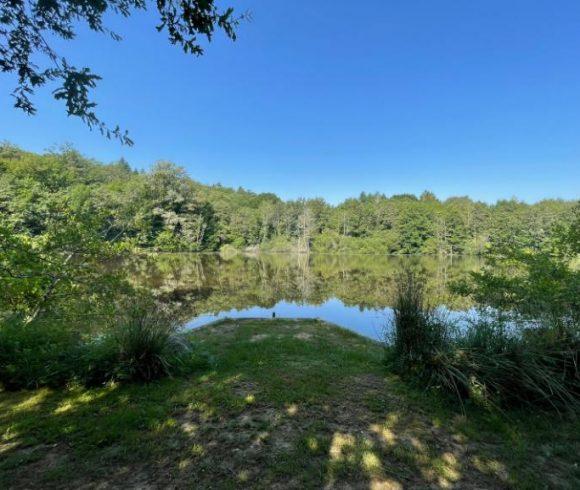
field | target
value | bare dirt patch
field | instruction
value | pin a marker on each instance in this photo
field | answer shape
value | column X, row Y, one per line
column 41, row 458
column 259, row 337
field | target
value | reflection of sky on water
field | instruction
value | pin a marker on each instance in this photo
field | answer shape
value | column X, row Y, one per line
column 368, row 322
column 353, row 291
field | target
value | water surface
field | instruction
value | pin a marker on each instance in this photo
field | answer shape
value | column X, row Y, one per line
column 355, row 292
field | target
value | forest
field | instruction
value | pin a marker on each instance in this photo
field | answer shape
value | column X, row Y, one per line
column 164, row 209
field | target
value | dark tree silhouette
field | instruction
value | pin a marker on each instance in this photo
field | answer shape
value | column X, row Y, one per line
column 26, row 26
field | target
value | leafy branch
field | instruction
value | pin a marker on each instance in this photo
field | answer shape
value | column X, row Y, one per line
column 24, row 25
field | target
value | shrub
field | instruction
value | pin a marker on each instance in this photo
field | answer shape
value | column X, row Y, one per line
column 99, row 362
column 494, row 367
column 142, row 345
column 279, row 244
column 148, row 347
column 491, row 362
column 36, row 354
column 537, row 284
column 228, row 251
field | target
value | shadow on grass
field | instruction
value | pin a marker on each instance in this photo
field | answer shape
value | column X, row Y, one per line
column 288, row 406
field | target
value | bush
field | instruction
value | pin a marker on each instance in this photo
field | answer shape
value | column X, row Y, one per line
column 99, row 363
column 279, row 244
column 142, row 344
column 374, row 243
column 228, row 251
column 537, row 284
column 147, row 344
column 492, row 362
column 496, row 368
column 36, row 354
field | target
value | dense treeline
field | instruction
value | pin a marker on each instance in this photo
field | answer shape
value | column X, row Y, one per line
column 166, row 210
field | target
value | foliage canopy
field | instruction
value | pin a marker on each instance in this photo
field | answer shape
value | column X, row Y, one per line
column 29, row 29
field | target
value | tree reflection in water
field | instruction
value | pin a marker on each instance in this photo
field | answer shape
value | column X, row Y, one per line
column 351, row 290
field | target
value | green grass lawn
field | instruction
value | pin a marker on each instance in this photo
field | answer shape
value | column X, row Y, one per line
column 286, row 404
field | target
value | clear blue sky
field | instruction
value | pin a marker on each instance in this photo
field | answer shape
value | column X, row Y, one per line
column 334, row 97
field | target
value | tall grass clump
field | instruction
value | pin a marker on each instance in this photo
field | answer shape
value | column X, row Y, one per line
column 419, row 342
column 493, row 361
column 418, row 331
column 142, row 344
column 530, row 365
column 148, row 346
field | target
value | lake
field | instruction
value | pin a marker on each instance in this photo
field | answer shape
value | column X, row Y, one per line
column 353, row 291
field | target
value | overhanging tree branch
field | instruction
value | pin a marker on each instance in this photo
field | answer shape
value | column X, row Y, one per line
column 24, row 24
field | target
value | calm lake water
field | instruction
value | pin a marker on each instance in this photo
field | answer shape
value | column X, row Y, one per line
column 353, row 291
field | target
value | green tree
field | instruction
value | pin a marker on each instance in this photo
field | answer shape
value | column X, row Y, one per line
column 59, row 271
column 415, row 227
column 177, row 219
column 534, row 283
